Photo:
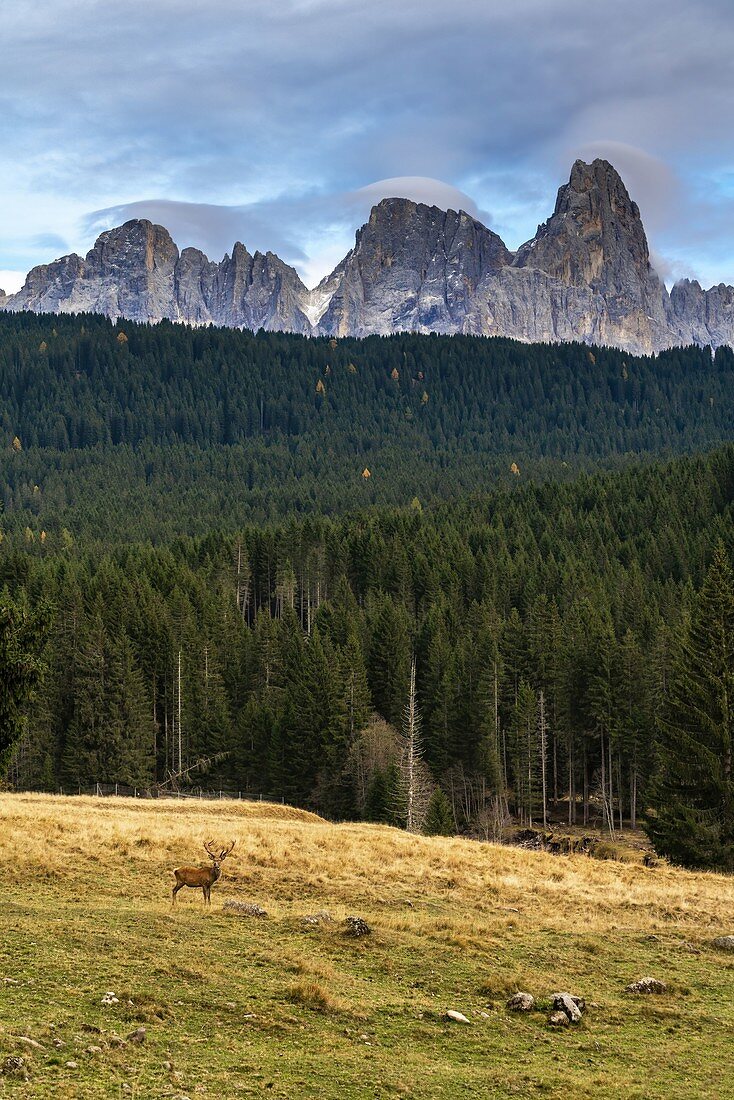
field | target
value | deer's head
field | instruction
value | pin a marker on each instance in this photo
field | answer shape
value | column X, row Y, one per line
column 217, row 857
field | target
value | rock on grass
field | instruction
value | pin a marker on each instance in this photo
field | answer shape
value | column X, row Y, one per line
column 571, row 1006
column 558, row 1019
column 245, row 909
column 357, row 927
column 647, row 985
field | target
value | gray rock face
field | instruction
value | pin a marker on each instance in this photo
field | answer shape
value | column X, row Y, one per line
column 128, row 273
column 136, row 271
column 242, row 291
column 704, row 316
column 586, row 275
column 413, row 267
column 601, row 286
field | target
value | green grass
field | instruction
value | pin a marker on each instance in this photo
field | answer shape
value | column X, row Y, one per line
column 239, row 1006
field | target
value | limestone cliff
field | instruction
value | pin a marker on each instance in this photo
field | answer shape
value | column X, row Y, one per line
column 586, row 275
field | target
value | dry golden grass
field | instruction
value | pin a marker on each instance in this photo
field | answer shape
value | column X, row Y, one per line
column 292, row 857
column 313, row 995
column 243, row 1005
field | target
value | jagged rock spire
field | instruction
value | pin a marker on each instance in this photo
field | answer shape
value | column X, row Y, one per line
column 586, row 275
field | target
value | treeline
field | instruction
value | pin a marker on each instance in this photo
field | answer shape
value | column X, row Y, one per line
column 545, row 622
column 101, row 422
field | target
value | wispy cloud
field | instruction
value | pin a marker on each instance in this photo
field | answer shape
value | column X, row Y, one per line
column 311, row 232
column 244, row 119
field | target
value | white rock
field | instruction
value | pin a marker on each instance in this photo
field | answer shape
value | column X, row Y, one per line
column 457, row 1017
column 558, row 1019
column 521, row 1002
column 647, row 985
column 564, row 1002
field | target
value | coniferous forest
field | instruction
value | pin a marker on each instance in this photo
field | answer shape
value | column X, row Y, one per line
column 273, row 564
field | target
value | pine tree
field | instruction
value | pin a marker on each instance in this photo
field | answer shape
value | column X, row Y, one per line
column 693, row 798
column 129, row 727
column 389, row 659
column 439, row 818
column 526, row 753
column 22, row 636
column 356, row 693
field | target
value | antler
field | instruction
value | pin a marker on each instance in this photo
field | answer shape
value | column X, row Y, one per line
column 210, row 853
column 225, row 851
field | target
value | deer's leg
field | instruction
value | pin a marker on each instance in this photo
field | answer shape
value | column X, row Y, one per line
column 175, row 890
column 207, row 893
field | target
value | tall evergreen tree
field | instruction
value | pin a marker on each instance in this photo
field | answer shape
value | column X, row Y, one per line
column 693, row 798
column 22, row 634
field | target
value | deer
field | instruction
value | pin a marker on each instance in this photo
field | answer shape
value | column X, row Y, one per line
column 201, row 878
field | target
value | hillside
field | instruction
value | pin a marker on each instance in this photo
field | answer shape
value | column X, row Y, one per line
column 187, row 429
column 235, row 1005
column 277, row 645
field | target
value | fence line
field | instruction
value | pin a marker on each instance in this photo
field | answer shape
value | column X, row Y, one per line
column 121, row 790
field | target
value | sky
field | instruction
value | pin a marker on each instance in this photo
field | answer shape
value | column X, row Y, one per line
column 280, row 122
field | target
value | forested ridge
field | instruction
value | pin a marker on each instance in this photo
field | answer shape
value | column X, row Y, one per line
column 194, row 554
column 290, row 636
column 133, row 432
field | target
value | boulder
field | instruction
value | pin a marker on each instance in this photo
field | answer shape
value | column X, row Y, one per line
column 521, row 1002
column 724, row 943
column 457, row 1017
column 314, row 919
column 647, row 985
column 357, row 927
column 245, row 909
column 558, row 1019
column 15, row 1066
column 26, row 1041
column 571, row 1006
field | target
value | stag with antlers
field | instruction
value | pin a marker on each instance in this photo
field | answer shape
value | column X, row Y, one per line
column 201, row 878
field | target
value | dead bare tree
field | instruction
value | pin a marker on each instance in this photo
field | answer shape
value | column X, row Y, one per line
column 415, row 784
column 543, row 738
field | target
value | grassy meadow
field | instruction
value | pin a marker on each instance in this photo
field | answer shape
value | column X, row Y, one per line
column 239, row 1006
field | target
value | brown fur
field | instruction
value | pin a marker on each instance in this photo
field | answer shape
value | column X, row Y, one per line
column 201, row 878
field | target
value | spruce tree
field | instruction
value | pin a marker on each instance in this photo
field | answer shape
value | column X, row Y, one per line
column 22, row 636
column 693, row 798
column 439, row 818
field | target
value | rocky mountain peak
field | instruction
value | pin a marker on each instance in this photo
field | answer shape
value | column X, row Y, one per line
column 413, row 268
column 594, row 234
column 601, row 181
column 586, row 275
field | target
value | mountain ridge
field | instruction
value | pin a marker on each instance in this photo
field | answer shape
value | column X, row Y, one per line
column 586, row 275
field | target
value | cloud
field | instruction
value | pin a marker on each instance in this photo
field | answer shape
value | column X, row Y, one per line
column 10, row 281
column 250, row 116
column 311, row 232
column 420, row 189
column 50, row 242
